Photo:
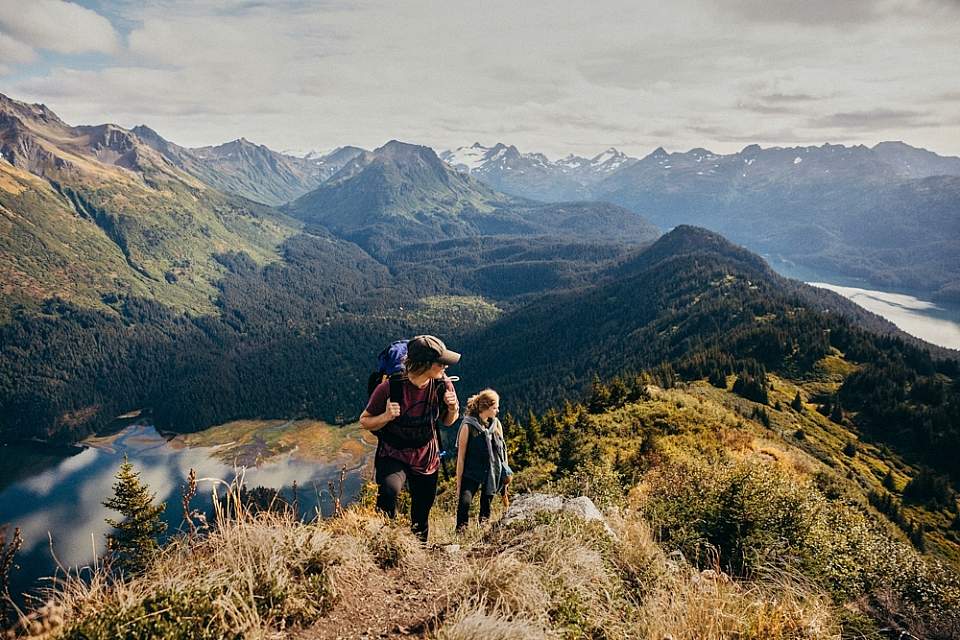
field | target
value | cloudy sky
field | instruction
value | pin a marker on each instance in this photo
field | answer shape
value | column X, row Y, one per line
column 555, row 76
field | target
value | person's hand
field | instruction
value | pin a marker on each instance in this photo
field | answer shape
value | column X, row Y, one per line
column 393, row 410
column 506, row 480
column 450, row 398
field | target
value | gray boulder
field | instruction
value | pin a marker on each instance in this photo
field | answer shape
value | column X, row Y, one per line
column 528, row 504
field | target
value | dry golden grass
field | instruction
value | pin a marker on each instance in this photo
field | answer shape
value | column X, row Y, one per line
column 477, row 624
column 697, row 606
column 550, row 577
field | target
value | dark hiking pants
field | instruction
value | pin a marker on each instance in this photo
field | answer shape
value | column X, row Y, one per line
column 391, row 474
column 469, row 488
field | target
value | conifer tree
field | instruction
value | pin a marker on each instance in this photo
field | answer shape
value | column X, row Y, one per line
column 134, row 538
column 836, row 413
column 599, row 396
column 797, row 404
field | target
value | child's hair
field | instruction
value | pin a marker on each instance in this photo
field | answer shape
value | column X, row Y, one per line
column 481, row 402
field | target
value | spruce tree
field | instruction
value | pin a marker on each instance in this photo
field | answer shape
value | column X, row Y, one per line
column 134, row 538
column 797, row 404
column 836, row 413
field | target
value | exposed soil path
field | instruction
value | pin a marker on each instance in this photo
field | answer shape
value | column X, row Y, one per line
column 395, row 603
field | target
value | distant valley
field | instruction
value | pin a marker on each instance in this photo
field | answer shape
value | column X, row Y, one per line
column 143, row 275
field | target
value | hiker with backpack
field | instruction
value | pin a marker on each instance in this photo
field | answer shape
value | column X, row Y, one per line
column 403, row 412
column 481, row 457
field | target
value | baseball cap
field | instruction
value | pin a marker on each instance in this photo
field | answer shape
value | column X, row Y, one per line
column 430, row 349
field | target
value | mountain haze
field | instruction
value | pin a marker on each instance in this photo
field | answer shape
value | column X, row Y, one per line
column 533, row 175
column 887, row 214
column 404, row 192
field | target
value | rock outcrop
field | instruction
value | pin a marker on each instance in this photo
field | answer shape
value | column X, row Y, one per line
column 526, row 505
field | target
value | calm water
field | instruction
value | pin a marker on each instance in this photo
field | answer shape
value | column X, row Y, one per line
column 934, row 322
column 56, row 499
column 928, row 321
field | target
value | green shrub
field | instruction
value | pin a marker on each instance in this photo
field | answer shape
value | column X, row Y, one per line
column 755, row 517
column 170, row 614
column 598, row 481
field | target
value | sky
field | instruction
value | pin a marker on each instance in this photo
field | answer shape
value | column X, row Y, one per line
column 553, row 76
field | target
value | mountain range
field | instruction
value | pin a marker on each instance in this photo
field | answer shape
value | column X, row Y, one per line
column 201, row 286
column 93, row 214
column 889, row 215
column 533, row 175
column 250, row 170
column 405, row 193
column 118, row 229
column 94, row 211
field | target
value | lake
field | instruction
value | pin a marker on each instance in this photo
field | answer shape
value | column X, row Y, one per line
column 934, row 322
column 55, row 496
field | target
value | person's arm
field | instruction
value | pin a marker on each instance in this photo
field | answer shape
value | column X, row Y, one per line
column 461, row 452
column 374, row 423
column 453, row 408
column 379, row 409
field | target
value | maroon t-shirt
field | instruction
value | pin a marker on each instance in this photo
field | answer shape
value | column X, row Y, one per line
column 416, row 402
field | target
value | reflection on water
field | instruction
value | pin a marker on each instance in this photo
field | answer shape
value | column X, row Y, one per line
column 928, row 321
column 57, row 501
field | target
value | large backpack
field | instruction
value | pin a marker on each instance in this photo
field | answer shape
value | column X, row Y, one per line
column 389, row 365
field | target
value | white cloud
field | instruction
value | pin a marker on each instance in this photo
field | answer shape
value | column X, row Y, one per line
column 58, row 26
column 549, row 76
column 12, row 51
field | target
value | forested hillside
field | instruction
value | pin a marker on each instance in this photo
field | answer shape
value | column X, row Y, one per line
column 716, row 514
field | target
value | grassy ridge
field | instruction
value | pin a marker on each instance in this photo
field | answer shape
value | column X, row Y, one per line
column 721, row 526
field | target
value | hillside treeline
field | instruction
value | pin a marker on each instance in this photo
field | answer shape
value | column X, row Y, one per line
column 298, row 338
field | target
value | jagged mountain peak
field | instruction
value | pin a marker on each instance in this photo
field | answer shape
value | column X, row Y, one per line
column 610, row 152
column 657, row 154
column 147, row 134
column 33, row 111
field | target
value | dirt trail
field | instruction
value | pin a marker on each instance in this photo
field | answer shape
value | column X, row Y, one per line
column 396, row 603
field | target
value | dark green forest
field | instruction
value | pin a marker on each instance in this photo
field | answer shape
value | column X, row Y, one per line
column 298, row 338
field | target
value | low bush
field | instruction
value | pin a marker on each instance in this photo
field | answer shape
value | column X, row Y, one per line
column 757, row 518
column 167, row 614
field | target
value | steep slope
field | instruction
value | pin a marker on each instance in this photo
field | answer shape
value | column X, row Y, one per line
column 47, row 249
column 163, row 224
column 886, row 214
column 690, row 290
column 651, row 511
column 250, row 170
column 400, row 190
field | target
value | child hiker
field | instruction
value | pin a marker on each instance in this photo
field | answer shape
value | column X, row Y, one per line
column 481, row 456
column 407, row 448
